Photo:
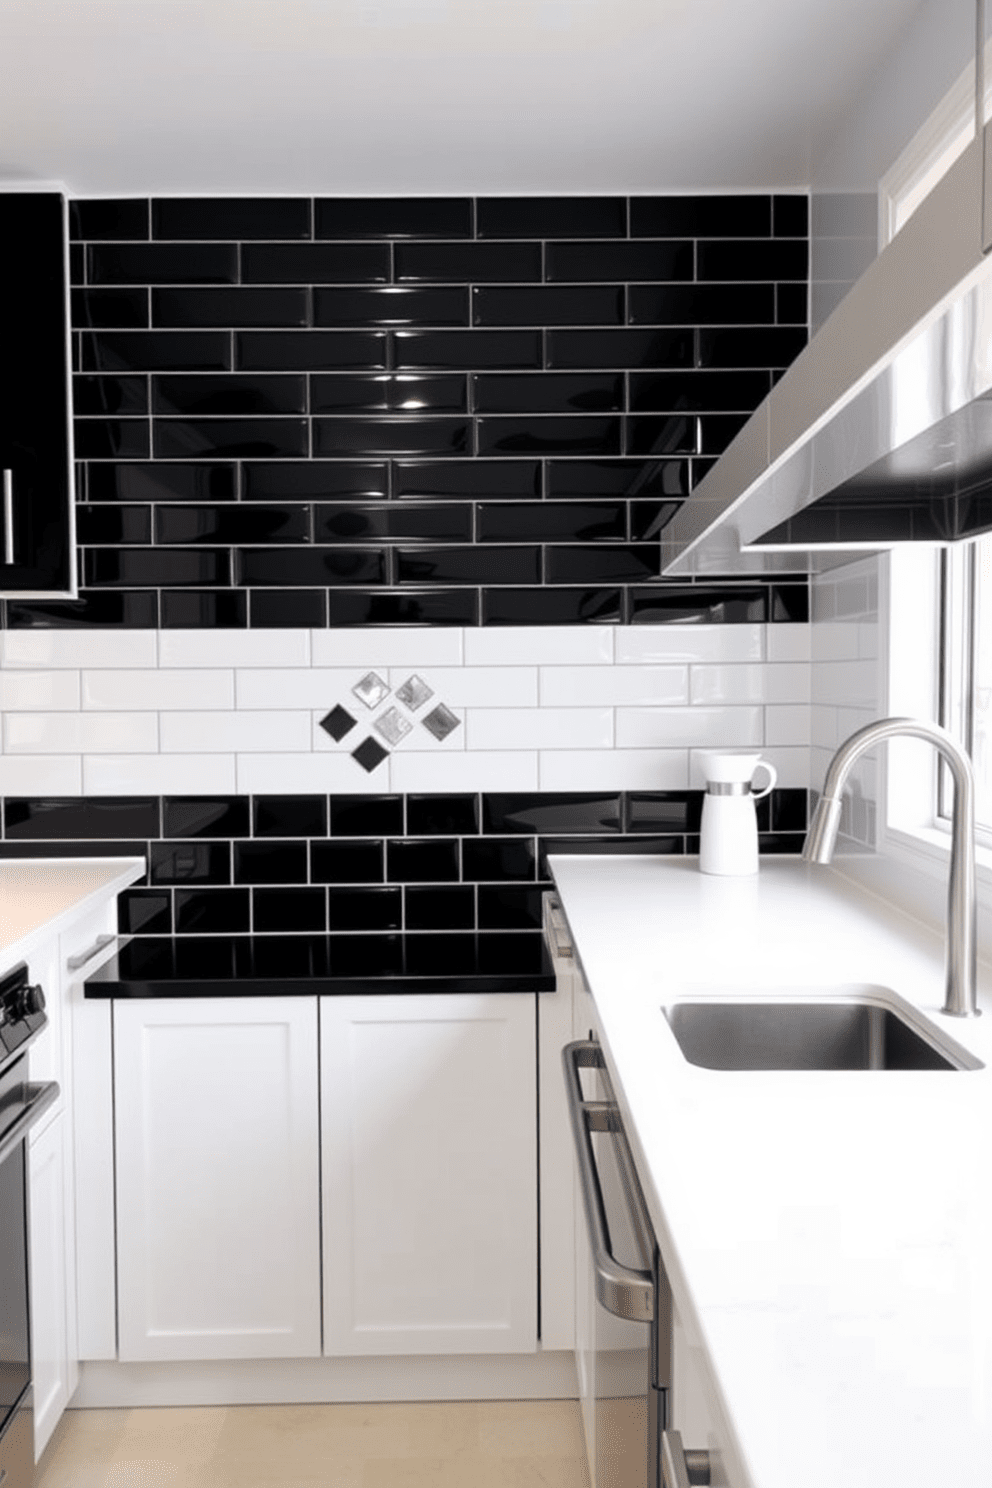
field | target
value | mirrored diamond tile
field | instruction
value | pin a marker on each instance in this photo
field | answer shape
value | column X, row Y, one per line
column 414, row 693
column 392, row 726
column 337, row 723
column 369, row 754
column 440, row 721
column 371, row 690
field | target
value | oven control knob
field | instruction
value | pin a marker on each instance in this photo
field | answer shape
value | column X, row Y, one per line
column 30, row 1000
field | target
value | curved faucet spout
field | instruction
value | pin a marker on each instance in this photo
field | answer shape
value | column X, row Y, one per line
column 960, row 996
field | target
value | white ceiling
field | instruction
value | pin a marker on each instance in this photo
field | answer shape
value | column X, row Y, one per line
column 429, row 96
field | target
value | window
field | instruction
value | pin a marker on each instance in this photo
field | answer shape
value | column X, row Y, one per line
column 966, row 670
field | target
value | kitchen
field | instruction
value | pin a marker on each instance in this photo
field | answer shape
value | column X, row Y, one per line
column 374, row 449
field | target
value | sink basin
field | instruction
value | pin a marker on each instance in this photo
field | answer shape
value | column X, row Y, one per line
column 837, row 1033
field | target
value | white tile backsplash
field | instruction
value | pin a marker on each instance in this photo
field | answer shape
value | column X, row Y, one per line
column 549, row 708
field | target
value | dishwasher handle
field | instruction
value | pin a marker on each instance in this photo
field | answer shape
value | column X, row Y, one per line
column 620, row 1289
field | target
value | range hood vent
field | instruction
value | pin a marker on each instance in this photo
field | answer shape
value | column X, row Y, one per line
column 881, row 430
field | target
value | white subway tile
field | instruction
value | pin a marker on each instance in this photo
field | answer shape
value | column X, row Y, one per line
column 834, row 640
column 846, row 683
column 80, row 733
column 540, row 728
column 508, row 645
column 45, row 691
column 688, row 643
column 788, row 642
column 80, row 648
column 158, row 775
column 572, row 687
column 41, row 775
column 234, row 648
column 371, row 647
column 471, row 686
column 503, row 770
column 787, row 723
column 159, row 690
column 289, row 774
column 792, row 766
column 243, row 731
column 303, row 687
column 699, row 728
column 614, row 769
column 783, row 682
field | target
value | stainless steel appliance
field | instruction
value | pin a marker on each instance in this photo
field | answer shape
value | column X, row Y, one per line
column 22, row 1017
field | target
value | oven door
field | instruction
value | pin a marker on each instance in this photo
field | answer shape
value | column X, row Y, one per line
column 632, row 1318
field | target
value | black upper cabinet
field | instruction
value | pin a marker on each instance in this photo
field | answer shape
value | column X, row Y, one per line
column 36, row 549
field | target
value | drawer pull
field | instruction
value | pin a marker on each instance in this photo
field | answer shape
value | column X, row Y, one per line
column 75, row 962
column 8, row 529
column 679, row 1468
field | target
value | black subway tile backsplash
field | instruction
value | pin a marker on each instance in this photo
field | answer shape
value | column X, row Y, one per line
column 288, row 357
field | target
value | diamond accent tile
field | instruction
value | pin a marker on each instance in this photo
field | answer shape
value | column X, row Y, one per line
column 440, row 722
column 371, row 690
column 370, row 754
column 392, row 726
column 337, row 723
column 414, row 693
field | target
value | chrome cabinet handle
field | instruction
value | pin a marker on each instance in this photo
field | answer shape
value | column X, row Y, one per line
column 8, row 526
column 620, row 1289
column 75, row 962
column 39, row 1098
column 679, row 1468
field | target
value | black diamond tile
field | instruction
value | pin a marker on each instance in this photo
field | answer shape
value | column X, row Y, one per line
column 369, row 754
column 337, row 723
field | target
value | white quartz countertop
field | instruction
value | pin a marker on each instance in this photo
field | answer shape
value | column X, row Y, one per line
column 829, row 1234
column 40, row 897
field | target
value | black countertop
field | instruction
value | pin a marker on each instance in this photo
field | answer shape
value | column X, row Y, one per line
column 323, row 965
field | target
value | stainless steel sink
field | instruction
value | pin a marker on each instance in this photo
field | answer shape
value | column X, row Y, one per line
column 835, row 1033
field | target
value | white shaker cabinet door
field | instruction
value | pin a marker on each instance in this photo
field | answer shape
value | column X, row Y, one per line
column 53, row 1373
column 429, row 1141
column 216, row 1116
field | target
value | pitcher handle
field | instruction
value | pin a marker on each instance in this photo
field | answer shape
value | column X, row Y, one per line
column 772, row 777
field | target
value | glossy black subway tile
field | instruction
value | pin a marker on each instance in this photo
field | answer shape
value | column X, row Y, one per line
column 675, row 347
column 700, row 216
column 549, row 811
column 551, row 217
column 393, row 217
column 663, row 812
column 474, row 565
column 791, row 304
column 190, row 862
column 664, row 436
column 568, row 478
column 137, row 610
column 388, row 393
column 294, row 608
column 549, row 435
column 548, row 305
column 459, row 479
column 790, row 216
column 289, row 816
column 112, row 218
column 391, row 436
column 109, row 395
column 234, row 523
column 552, row 606
column 624, row 262
column 315, row 263
column 468, row 263
column 509, row 907
column 205, row 816
column 160, row 481
column 113, row 526
column 367, row 816
column 366, row 955
column 649, row 518
column 697, row 391
column 270, row 862
column 756, row 346
column 363, row 909
column 77, row 263
column 429, row 908
column 263, row 438
column 180, row 308
column 153, row 567
column 547, row 392
column 422, row 860
column 439, row 816
column 710, row 606
column 396, row 607
column 545, row 521
column 212, row 911
column 203, row 609
column 716, row 430
column 790, row 603
column 347, row 862
column 387, row 522
column 592, row 564
column 701, row 304
column 162, row 263
column 735, row 262
column 396, row 305
column 232, row 394
column 156, row 351
column 110, row 309
column 231, row 217
column 96, row 817
column 110, row 439
column 304, row 351
column 144, row 912
column 499, row 859
column 310, row 567
column 467, row 350
column 315, row 480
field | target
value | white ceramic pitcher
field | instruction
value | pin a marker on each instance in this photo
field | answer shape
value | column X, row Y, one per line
column 728, row 840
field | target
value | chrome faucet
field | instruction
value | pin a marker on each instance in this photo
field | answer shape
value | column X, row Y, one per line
column 960, row 999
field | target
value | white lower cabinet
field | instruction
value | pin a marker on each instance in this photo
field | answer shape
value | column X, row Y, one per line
column 54, row 1363
column 216, row 1129
column 429, row 1135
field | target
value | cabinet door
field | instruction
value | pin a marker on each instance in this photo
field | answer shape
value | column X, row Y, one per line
column 37, row 550
column 216, row 1118
column 48, row 1279
column 429, row 1174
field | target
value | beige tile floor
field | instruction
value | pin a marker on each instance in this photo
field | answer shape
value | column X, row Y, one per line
column 484, row 1444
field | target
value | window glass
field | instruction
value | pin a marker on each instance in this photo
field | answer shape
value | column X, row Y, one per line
column 981, row 700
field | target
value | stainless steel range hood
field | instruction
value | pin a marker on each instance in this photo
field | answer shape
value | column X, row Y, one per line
column 888, row 410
